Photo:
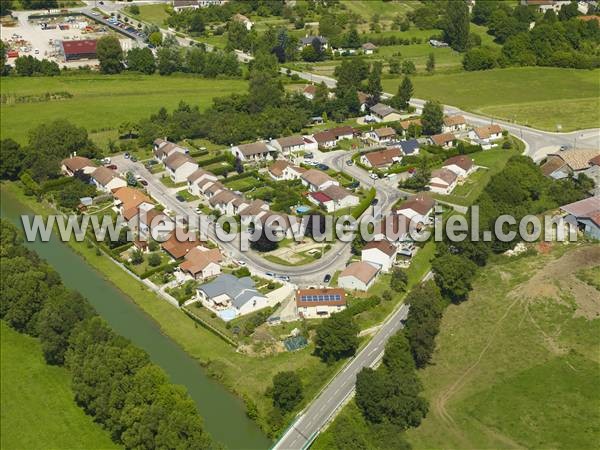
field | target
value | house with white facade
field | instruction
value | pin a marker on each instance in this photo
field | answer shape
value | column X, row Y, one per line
column 487, row 134
column 384, row 113
column 202, row 263
column 454, row 124
column 444, row 140
column 317, row 180
column 224, row 202
column 382, row 135
column 196, row 178
column 180, row 166
column 243, row 20
column 231, row 296
column 256, row 151
column 358, row 276
column 380, row 253
column 418, row 207
column 152, row 223
column 461, row 165
column 162, row 149
column 319, row 303
column 75, row 164
column 442, row 181
column 289, row 144
column 381, row 159
column 106, row 180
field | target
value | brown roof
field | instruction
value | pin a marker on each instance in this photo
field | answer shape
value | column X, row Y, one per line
column 587, row 208
column 103, row 175
column 385, row 132
column 253, row 148
column 130, row 197
column 552, row 164
column 383, row 246
column 362, row 97
column 336, row 192
column 588, row 18
column 446, row 175
column 406, row 123
column 154, row 217
column 595, row 161
column 393, row 226
column 77, row 163
column 486, row 131
column 342, row 131
column 278, row 167
column 369, row 46
column 199, row 173
column 361, row 270
column 462, row 161
column 578, row 159
column 383, row 157
column 310, row 89
column 222, row 198
column 215, row 187
column 454, row 120
column 442, row 139
column 320, row 297
column 254, row 208
column 176, row 248
column 240, row 18
column 316, row 177
column 290, row 141
column 177, row 159
column 324, row 136
column 166, row 147
column 420, row 203
column 198, row 258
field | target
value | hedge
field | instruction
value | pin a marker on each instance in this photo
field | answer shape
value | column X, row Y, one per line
column 199, row 153
column 222, row 170
column 150, row 272
column 362, row 206
column 214, row 160
column 251, row 173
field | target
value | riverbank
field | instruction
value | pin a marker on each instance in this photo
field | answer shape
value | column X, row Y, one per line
column 246, row 376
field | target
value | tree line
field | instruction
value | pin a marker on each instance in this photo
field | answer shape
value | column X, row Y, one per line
column 112, row 380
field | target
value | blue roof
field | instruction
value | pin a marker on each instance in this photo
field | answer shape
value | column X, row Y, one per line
column 240, row 290
column 409, row 146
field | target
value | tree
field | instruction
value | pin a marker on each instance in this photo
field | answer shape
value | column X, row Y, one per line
column 456, row 29
column 110, row 55
column 127, row 129
column 482, row 58
column 420, row 179
column 141, row 60
column 263, row 243
column 399, row 280
column 408, row 67
column 134, row 9
column 239, row 167
column 337, row 337
column 154, row 260
column 404, row 94
column 155, row 38
column 286, row 391
column 5, row 7
column 264, row 91
column 11, row 159
column 137, row 257
column 453, row 275
column 168, row 60
column 430, row 63
column 432, row 118
column 374, row 87
column 423, row 321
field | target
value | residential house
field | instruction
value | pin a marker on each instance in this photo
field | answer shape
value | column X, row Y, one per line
column 310, row 145
column 255, row 209
column 461, row 165
column 289, row 144
column 180, row 166
column 405, row 125
column 107, row 180
column 322, row 200
column 256, row 151
column 238, row 204
column 442, row 181
column 368, row 48
column 316, row 180
column 573, row 163
column 318, row 303
column 243, row 20
column 154, row 224
column 587, row 214
column 409, row 147
column 382, row 135
column 454, row 124
column 384, row 113
column 211, row 189
column 418, row 208
column 334, row 198
column 444, row 140
column 308, row 40
column 485, row 134
column 179, row 243
column 345, row 132
column 180, row 5
column 309, row 91
column 223, row 202
column 358, row 276
column 76, row 163
column 325, row 139
column 380, row 253
column 363, row 101
column 381, row 159
column 231, row 296
column 284, row 170
column 163, row 148
column 127, row 200
column 293, row 172
column 202, row 263
column 397, row 228
column 198, row 177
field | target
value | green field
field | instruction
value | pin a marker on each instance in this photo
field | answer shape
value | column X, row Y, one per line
column 155, row 14
column 38, row 410
column 516, row 366
column 541, row 97
column 102, row 102
column 386, row 10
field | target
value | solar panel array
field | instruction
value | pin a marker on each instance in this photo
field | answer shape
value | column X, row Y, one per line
column 321, row 298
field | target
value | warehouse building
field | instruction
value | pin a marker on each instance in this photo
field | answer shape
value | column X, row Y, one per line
column 78, row 50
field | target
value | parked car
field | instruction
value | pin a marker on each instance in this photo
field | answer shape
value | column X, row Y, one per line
column 112, row 167
column 354, row 185
column 374, row 176
column 269, row 274
column 106, row 161
column 180, row 198
column 308, row 156
column 240, row 262
column 349, row 162
column 282, row 277
column 327, row 278
column 144, row 183
column 322, row 167
column 126, row 155
column 133, row 158
column 374, row 201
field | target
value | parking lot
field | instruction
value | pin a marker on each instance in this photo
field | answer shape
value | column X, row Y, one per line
column 31, row 38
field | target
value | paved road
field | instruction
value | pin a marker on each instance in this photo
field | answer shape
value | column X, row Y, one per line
column 307, row 425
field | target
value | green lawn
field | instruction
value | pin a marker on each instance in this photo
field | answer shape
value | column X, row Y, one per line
column 515, row 366
column 102, row 102
column 386, row 10
column 38, row 410
column 541, row 97
column 243, row 184
column 155, row 14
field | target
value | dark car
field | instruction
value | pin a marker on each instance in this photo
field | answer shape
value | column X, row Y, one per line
column 143, row 182
column 354, row 185
column 308, row 156
column 327, row 278
column 112, row 167
column 374, row 201
column 133, row 158
column 180, row 198
column 322, row 167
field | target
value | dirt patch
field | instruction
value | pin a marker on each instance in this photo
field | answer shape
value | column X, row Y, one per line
column 558, row 277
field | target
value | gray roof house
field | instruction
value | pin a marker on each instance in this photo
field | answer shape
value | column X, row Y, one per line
column 227, row 292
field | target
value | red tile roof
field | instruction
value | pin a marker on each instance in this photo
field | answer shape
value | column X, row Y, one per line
column 86, row 46
column 320, row 197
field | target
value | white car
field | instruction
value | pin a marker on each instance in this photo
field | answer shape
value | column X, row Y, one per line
column 240, row 262
column 374, row 176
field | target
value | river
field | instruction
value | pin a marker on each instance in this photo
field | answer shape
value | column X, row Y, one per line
column 223, row 413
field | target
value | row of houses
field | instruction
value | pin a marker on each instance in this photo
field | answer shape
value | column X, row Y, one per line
column 457, row 125
column 573, row 163
column 454, row 171
column 103, row 178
